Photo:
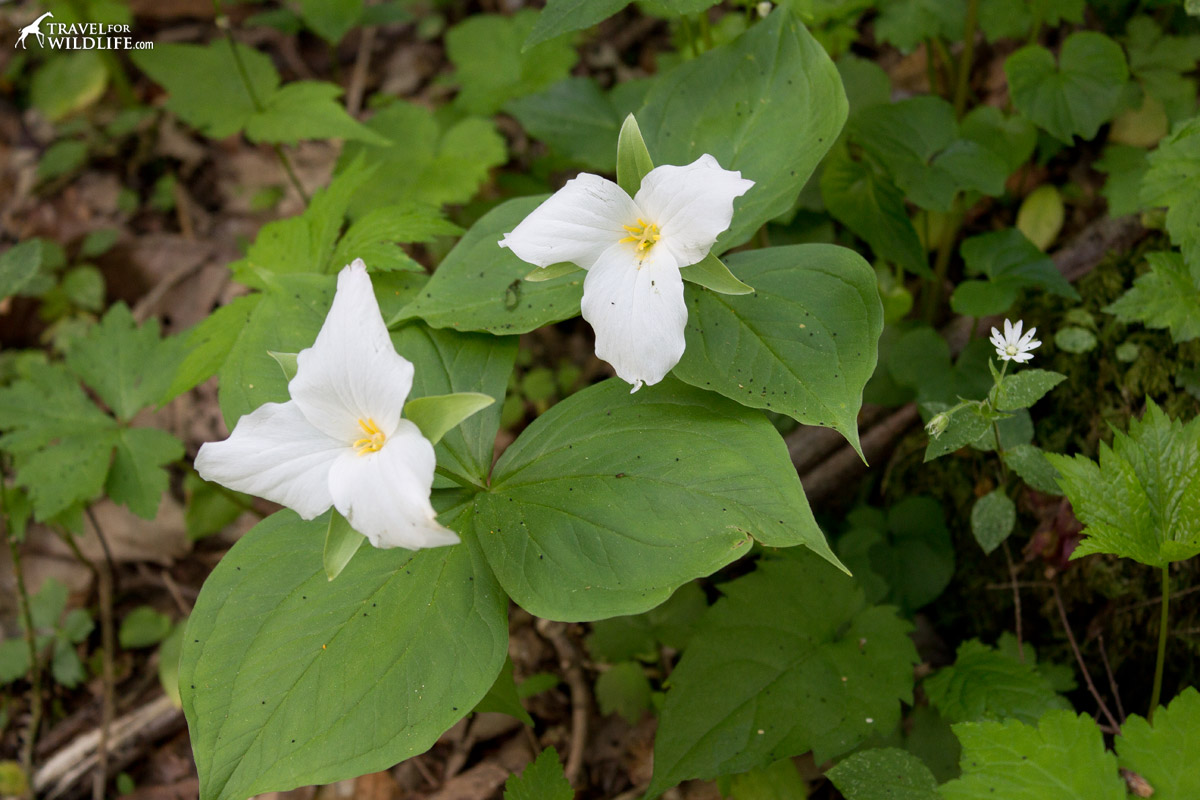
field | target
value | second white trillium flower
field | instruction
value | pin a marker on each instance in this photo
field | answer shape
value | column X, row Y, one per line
column 340, row 441
column 1012, row 346
column 633, row 249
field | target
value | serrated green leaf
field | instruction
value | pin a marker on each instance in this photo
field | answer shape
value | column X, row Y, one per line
column 143, row 627
column 1158, row 61
column 128, row 366
column 424, row 163
column 624, row 689
column 205, row 87
column 769, row 104
column 598, row 518
column 886, row 773
column 1142, row 501
column 871, row 206
column 541, row 780
column 306, row 110
column 1074, row 96
column 1030, row 463
column 18, row 265
column 565, row 16
column 986, row 684
column 1063, row 758
column 490, row 65
column 1165, row 297
column 14, row 660
column 804, row 344
column 423, row 636
column 331, row 20
column 575, row 118
column 1024, row 388
column 760, row 653
column 992, row 519
column 136, row 478
column 1165, row 754
column 479, row 286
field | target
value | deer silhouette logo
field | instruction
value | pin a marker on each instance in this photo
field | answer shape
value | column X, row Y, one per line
column 33, row 28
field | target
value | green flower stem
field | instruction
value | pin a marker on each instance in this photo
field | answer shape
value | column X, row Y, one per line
column 933, row 291
column 1156, row 693
column 691, row 35
column 258, row 106
column 963, row 84
column 35, row 669
column 705, row 31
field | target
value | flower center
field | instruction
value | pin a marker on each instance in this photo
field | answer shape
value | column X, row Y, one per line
column 644, row 233
column 374, row 439
column 1011, row 349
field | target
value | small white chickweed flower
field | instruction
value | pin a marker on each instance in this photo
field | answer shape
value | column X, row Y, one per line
column 633, row 249
column 1012, row 346
column 937, row 426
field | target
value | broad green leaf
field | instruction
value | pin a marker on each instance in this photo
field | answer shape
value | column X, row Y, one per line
column 1063, row 758
column 992, row 519
column 886, row 773
column 128, row 366
column 1074, row 339
column 18, row 265
column 425, row 163
column 208, row 344
column 490, row 66
column 450, row 362
column 575, row 118
column 804, row 344
column 769, row 104
column 1041, row 216
column 918, row 142
column 1125, row 167
column 1165, row 753
column 780, row 781
column 285, row 320
column 610, row 500
column 143, row 627
column 794, row 634
column 288, row 362
column 986, row 684
column 135, row 478
column 907, row 23
column 1030, row 463
column 437, row 414
column 1158, row 62
column 711, row 273
column 565, row 16
column 68, row 83
column 871, row 206
column 640, row 636
column 1142, row 501
column 1074, row 96
column 479, row 286
column 333, row 678
column 633, row 157
column 541, row 780
column 503, row 697
column 866, row 83
column 168, row 663
column 1014, row 19
column 1024, row 388
column 1011, row 138
column 1010, row 263
column 905, row 558
column 341, row 543
column 624, row 689
column 1165, row 297
column 62, row 443
column 331, row 20
column 204, row 85
column 306, row 110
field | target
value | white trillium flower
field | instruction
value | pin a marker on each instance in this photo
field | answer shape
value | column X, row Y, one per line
column 340, row 440
column 633, row 249
column 1012, row 346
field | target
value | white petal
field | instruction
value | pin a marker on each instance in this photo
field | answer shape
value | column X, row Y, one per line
column 385, row 495
column 637, row 311
column 1008, row 330
column 691, row 205
column 997, row 339
column 275, row 453
column 577, row 223
column 1027, row 338
column 352, row 372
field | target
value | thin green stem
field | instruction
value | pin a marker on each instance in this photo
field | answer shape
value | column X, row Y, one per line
column 946, row 60
column 691, row 35
column 933, row 293
column 963, row 84
column 705, row 31
column 930, row 67
column 254, row 99
column 1156, row 693
column 35, row 668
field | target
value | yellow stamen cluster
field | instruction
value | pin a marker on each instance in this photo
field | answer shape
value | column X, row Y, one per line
column 374, row 439
column 644, row 233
